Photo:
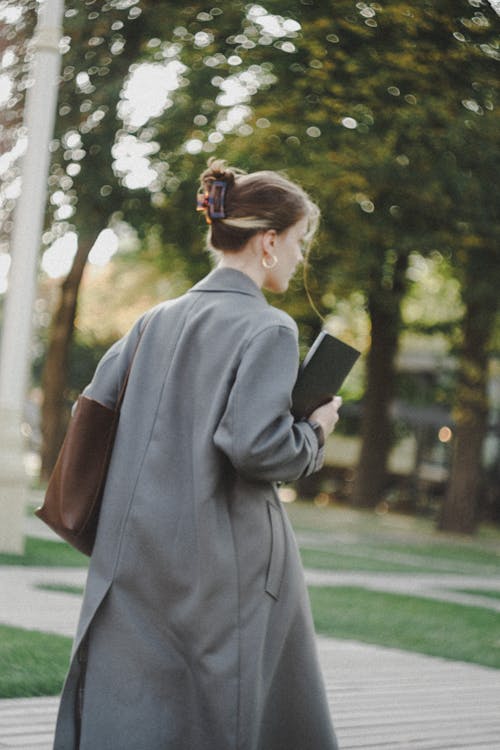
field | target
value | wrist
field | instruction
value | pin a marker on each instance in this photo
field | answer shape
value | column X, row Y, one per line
column 318, row 431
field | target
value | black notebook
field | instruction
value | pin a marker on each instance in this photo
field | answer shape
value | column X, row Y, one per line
column 321, row 374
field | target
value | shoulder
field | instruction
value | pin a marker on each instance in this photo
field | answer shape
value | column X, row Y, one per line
column 270, row 318
column 273, row 334
column 162, row 314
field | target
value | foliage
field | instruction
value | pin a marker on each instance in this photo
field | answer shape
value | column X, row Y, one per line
column 86, row 351
column 16, row 27
column 360, row 126
column 112, row 159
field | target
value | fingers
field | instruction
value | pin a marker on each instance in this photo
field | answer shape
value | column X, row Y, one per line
column 327, row 415
column 337, row 403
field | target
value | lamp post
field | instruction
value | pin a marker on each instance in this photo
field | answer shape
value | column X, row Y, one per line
column 41, row 101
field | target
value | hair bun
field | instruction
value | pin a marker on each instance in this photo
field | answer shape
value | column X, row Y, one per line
column 215, row 183
column 218, row 169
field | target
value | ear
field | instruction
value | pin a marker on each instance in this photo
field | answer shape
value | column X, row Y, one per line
column 269, row 240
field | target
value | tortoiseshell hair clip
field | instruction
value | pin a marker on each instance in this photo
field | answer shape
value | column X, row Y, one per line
column 212, row 201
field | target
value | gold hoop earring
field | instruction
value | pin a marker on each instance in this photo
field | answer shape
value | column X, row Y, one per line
column 269, row 266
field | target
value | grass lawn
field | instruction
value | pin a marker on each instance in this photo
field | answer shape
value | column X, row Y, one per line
column 44, row 552
column 452, row 631
column 394, row 527
column 344, row 539
column 32, row 663
column 333, row 559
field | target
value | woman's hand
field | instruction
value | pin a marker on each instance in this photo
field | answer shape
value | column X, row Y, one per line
column 327, row 415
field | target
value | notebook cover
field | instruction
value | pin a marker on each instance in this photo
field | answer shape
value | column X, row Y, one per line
column 321, row 374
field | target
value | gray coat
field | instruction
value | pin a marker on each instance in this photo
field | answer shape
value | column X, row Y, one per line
column 195, row 612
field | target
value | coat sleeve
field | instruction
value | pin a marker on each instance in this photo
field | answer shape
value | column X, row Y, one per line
column 257, row 431
column 110, row 372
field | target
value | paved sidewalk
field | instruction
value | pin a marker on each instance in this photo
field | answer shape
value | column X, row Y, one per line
column 24, row 605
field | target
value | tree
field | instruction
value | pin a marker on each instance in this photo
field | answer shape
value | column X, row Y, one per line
column 80, row 171
column 471, row 172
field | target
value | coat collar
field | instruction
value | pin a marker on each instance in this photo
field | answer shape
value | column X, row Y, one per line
column 228, row 280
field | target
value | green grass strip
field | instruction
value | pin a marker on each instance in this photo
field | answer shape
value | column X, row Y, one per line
column 44, row 552
column 60, row 588
column 32, row 663
column 323, row 559
column 445, row 629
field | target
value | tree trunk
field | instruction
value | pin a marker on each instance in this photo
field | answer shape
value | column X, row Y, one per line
column 384, row 307
column 459, row 510
column 54, row 414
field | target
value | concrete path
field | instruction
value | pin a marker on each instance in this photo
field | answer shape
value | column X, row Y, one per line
column 24, row 604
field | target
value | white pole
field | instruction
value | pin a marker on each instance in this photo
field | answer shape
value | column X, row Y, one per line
column 41, row 102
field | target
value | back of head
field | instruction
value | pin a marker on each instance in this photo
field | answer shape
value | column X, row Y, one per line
column 239, row 205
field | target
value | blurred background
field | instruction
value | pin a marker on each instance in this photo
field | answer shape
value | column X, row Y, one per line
column 387, row 113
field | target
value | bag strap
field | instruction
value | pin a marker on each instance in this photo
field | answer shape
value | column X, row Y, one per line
column 121, row 395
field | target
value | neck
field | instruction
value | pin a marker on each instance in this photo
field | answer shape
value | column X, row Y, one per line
column 246, row 262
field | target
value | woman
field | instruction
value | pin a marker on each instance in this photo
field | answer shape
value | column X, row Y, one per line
column 195, row 631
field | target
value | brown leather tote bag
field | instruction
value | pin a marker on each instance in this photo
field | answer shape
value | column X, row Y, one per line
column 74, row 493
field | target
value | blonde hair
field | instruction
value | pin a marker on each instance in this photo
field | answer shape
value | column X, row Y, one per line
column 253, row 203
